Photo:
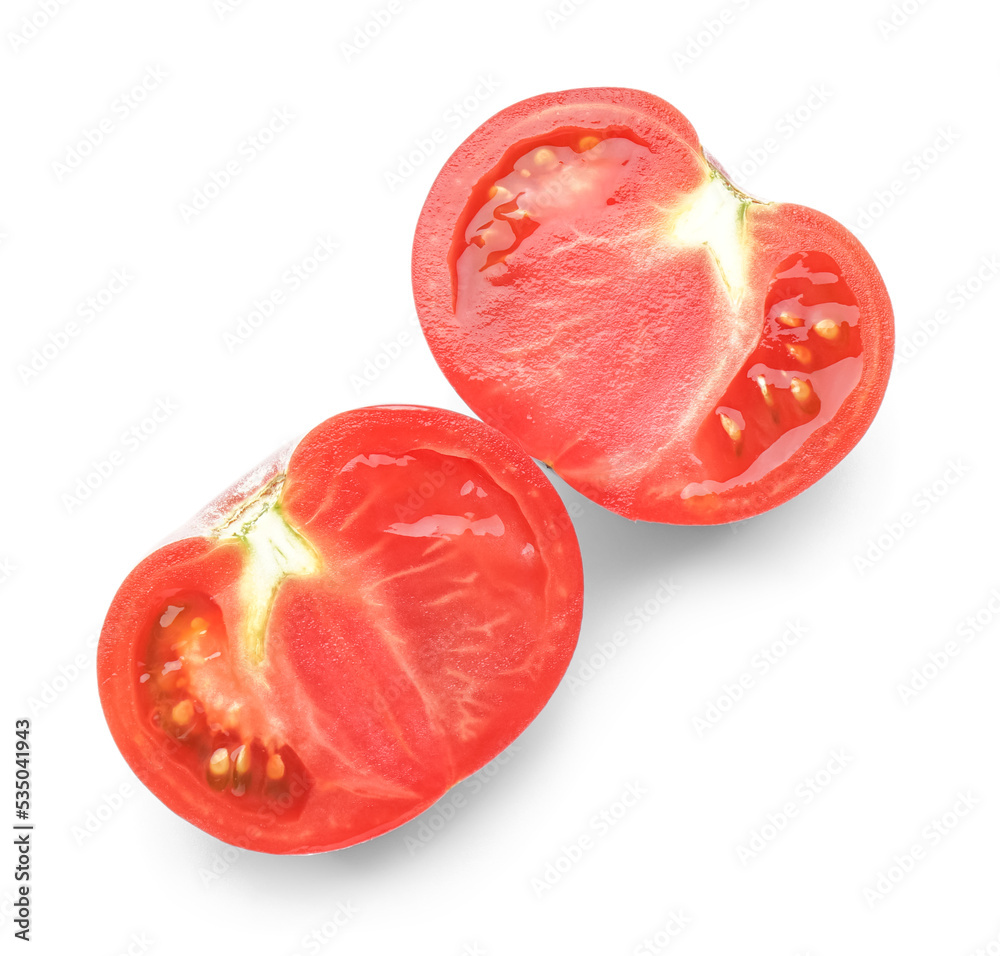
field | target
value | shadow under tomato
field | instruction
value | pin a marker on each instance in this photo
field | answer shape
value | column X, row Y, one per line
column 619, row 556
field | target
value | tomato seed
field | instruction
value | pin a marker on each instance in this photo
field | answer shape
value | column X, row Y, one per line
column 732, row 429
column 801, row 391
column 218, row 768
column 801, row 353
column 182, row 713
column 765, row 391
column 827, row 328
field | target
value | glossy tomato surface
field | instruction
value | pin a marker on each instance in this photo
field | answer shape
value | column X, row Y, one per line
column 592, row 285
column 346, row 633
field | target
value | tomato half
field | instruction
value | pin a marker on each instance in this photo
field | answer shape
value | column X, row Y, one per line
column 348, row 633
column 593, row 285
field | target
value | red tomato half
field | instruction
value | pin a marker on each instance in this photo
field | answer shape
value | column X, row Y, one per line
column 593, row 285
column 349, row 633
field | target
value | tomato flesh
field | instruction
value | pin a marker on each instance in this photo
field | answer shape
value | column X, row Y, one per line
column 358, row 628
column 592, row 285
column 567, row 171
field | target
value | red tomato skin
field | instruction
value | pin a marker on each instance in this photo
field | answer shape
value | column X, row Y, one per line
column 604, row 445
column 395, row 750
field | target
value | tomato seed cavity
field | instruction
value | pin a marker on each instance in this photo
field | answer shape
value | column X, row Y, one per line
column 805, row 365
column 190, row 635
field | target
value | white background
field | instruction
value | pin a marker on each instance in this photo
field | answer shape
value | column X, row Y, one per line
column 141, row 877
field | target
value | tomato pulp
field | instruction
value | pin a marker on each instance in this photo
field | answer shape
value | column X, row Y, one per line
column 593, row 285
column 345, row 634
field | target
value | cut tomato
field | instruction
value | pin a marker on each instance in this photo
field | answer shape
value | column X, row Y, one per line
column 346, row 633
column 593, row 285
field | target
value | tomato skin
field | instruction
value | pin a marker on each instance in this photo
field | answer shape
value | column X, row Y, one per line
column 599, row 338
column 378, row 682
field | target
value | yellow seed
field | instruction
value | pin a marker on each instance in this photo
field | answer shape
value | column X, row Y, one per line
column 241, row 760
column 764, row 390
column 199, row 625
column 801, row 353
column 732, row 429
column 218, row 763
column 544, row 157
column 183, row 713
column 790, row 321
column 827, row 328
column 275, row 767
column 588, row 142
column 801, row 391
column 526, row 173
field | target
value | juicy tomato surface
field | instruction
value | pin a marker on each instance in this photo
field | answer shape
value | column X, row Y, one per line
column 593, row 285
column 349, row 632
